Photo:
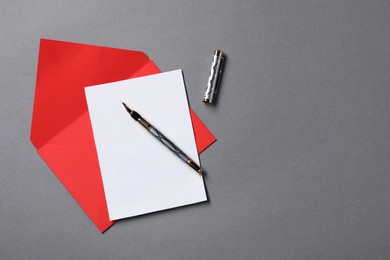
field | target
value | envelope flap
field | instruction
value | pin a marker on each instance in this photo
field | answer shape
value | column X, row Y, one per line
column 72, row 156
column 64, row 69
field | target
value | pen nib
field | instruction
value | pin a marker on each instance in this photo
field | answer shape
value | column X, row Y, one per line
column 126, row 107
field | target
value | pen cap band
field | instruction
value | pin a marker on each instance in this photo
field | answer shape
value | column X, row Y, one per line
column 214, row 77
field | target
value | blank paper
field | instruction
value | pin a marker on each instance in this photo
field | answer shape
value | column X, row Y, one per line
column 140, row 175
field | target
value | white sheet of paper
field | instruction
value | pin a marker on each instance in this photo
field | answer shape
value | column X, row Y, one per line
column 140, row 175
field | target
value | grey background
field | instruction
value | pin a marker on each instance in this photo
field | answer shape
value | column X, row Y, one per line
column 301, row 166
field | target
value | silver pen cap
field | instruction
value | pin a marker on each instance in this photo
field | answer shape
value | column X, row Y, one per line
column 214, row 77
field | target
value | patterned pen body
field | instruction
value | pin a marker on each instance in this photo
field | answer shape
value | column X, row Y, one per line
column 171, row 146
column 164, row 140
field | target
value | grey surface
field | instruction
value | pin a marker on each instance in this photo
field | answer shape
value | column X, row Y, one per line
column 301, row 167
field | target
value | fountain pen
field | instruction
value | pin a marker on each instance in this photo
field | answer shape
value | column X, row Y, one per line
column 164, row 140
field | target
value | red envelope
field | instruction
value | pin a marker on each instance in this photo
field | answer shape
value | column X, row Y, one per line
column 61, row 129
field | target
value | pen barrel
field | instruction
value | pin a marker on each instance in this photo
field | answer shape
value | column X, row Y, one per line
column 171, row 146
